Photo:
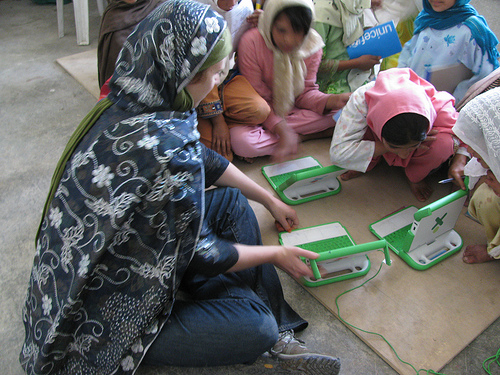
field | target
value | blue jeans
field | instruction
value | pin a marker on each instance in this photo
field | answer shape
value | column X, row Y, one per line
column 230, row 318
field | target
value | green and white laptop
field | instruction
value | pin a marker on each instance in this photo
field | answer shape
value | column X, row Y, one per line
column 302, row 180
column 423, row 237
column 340, row 258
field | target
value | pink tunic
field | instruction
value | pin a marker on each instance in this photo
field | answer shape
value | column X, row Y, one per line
column 395, row 91
column 255, row 62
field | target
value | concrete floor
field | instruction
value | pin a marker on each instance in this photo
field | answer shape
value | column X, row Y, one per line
column 40, row 105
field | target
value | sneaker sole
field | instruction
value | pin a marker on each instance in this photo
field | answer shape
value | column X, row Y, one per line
column 310, row 364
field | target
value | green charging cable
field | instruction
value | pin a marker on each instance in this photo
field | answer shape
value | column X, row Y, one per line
column 488, row 361
column 417, row 372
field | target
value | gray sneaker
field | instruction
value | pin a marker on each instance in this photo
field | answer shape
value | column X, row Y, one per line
column 294, row 356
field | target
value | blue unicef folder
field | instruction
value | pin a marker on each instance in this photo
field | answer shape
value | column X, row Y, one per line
column 381, row 40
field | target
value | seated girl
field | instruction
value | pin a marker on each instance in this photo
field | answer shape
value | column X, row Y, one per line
column 280, row 59
column 448, row 33
column 340, row 23
column 403, row 13
column 234, row 102
column 399, row 117
column 478, row 126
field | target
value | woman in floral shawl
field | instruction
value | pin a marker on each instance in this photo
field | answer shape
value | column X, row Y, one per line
column 128, row 223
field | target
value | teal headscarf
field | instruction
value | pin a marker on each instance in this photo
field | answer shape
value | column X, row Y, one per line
column 464, row 13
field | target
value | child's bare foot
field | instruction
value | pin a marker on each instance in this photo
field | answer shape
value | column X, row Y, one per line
column 421, row 190
column 476, row 254
column 349, row 175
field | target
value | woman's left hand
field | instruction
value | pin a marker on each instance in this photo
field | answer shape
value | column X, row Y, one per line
column 285, row 216
column 288, row 259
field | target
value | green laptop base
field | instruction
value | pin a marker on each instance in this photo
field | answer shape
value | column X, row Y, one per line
column 438, row 255
column 433, row 245
column 303, row 180
column 339, row 256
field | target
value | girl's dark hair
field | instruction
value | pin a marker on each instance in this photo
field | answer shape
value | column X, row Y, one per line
column 405, row 128
column 300, row 18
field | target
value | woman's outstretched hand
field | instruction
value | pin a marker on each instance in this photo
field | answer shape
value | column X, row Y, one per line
column 288, row 259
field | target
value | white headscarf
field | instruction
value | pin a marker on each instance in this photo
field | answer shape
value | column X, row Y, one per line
column 347, row 15
column 289, row 68
column 235, row 18
column 478, row 126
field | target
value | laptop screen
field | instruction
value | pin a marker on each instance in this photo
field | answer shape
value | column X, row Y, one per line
column 437, row 218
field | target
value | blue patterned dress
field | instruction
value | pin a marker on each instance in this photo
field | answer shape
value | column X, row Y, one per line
column 456, row 35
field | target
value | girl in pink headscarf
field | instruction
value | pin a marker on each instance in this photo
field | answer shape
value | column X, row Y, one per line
column 403, row 119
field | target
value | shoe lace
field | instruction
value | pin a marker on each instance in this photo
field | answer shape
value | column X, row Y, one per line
column 286, row 340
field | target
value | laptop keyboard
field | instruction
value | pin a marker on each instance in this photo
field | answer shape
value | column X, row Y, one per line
column 398, row 238
column 280, row 178
column 327, row 244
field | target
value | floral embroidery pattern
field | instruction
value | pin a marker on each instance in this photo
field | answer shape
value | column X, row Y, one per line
column 212, row 25
column 199, row 46
column 449, row 39
column 55, row 217
column 102, row 176
column 148, row 142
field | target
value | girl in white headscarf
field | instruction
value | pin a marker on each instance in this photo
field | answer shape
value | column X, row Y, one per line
column 479, row 127
column 280, row 59
column 340, row 23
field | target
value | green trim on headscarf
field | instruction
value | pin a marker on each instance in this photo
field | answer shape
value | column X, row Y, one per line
column 184, row 101
column 222, row 48
column 73, row 142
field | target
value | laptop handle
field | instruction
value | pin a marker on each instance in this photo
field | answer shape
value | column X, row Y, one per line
column 430, row 208
column 349, row 250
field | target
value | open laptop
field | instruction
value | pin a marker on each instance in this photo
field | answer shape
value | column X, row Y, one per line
column 424, row 237
column 302, row 180
column 447, row 78
column 340, row 258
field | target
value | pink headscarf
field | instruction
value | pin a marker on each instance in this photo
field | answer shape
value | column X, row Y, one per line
column 401, row 90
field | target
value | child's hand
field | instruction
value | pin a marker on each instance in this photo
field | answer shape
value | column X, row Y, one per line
column 285, row 216
column 366, row 62
column 376, row 4
column 253, row 18
column 288, row 259
column 456, row 170
column 431, row 135
column 492, row 182
column 430, row 138
column 337, row 101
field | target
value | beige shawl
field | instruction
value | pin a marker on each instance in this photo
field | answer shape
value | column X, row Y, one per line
column 345, row 14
